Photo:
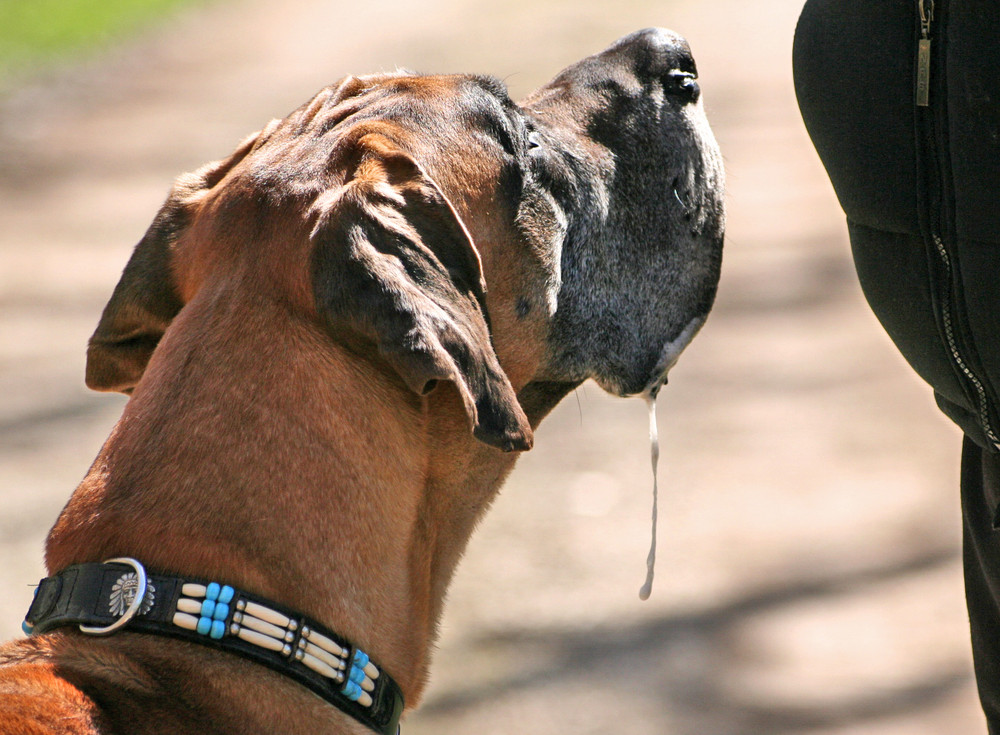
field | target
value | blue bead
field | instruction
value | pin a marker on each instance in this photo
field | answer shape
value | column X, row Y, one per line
column 207, row 608
column 221, row 611
column 357, row 675
column 218, row 629
column 361, row 658
column 226, row 595
column 352, row 691
column 212, row 591
column 27, row 627
column 204, row 626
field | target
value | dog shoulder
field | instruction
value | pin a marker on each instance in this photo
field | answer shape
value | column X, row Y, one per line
column 36, row 700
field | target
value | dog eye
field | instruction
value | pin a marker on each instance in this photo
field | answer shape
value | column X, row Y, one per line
column 534, row 140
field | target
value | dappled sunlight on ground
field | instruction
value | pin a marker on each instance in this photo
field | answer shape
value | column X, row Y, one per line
column 808, row 578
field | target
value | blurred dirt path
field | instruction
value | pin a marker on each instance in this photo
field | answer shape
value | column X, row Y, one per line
column 808, row 577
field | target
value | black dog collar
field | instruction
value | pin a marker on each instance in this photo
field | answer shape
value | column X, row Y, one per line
column 120, row 595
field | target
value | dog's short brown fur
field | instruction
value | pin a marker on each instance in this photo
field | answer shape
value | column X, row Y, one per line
column 334, row 338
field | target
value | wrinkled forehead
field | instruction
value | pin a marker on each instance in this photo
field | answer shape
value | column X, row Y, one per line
column 445, row 113
column 440, row 120
column 459, row 129
column 464, row 99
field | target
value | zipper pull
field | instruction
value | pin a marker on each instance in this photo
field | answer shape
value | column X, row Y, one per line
column 923, row 92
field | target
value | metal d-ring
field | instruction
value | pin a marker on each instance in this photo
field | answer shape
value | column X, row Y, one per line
column 134, row 606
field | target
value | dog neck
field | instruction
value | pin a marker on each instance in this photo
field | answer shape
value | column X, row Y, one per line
column 352, row 509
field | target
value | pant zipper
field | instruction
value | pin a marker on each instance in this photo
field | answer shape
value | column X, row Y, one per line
column 922, row 99
column 949, row 334
column 923, row 92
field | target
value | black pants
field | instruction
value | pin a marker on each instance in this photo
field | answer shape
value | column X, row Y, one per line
column 919, row 179
column 981, row 547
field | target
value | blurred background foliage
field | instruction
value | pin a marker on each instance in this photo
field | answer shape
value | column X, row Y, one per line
column 38, row 34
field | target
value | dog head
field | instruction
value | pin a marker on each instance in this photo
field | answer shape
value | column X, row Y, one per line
column 624, row 133
column 435, row 227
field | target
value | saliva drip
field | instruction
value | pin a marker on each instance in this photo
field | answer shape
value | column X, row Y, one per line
column 654, row 455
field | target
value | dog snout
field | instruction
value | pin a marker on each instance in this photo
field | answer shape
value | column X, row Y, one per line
column 642, row 255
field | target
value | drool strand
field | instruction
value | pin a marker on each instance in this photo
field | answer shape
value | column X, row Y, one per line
column 654, row 454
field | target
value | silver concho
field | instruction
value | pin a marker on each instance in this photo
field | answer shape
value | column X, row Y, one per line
column 123, row 593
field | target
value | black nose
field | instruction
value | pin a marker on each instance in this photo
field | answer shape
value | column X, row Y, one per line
column 682, row 84
column 657, row 53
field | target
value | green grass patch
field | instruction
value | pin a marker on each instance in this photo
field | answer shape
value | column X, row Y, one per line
column 35, row 34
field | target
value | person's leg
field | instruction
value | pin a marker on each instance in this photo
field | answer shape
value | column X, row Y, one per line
column 980, row 492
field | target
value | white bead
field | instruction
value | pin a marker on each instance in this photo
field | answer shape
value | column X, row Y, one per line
column 325, row 656
column 371, row 670
column 266, row 613
column 193, row 590
column 320, row 668
column 364, row 700
column 189, row 606
column 323, row 642
column 183, row 620
column 257, row 639
column 261, row 627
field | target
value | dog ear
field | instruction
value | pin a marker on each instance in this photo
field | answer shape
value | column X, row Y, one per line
column 146, row 298
column 393, row 263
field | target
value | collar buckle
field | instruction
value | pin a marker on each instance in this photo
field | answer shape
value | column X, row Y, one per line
column 130, row 594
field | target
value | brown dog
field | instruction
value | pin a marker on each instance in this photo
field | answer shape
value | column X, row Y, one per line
column 334, row 339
